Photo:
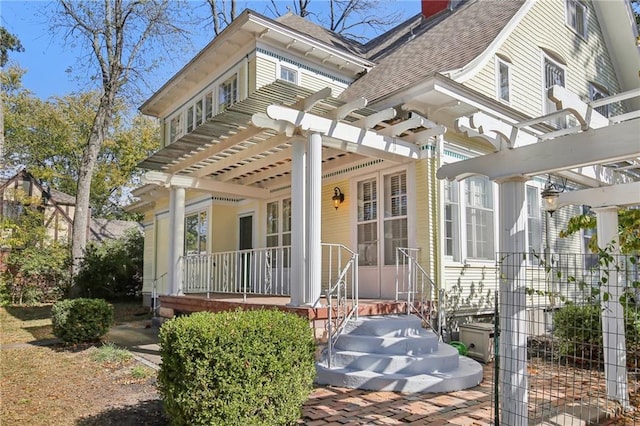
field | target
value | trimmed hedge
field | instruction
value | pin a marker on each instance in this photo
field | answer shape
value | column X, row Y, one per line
column 81, row 320
column 236, row 368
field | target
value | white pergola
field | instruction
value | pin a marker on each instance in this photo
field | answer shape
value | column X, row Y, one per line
column 579, row 153
column 279, row 136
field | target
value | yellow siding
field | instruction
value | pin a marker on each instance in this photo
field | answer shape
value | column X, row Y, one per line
column 336, row 226
column 312, row 82
column 544, row 27
column 224, row 228
column 469, row 289
column 162, row 236
column 148, row 275
column 265, row 71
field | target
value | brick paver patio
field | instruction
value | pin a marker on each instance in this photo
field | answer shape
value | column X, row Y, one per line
column 334, row 406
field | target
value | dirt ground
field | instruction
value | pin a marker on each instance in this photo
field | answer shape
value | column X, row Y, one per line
column 53, row 384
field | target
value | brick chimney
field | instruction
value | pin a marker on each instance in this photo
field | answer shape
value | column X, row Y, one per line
column 432, row 7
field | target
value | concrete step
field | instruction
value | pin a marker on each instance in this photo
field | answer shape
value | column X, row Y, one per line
column 407, row 345
column 386, row 326
column 468, row 374
column 444, row 359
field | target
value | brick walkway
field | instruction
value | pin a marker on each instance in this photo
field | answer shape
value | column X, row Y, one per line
column 333, row 406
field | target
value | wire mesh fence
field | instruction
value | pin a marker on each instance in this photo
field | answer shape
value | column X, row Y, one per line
column 569, row 342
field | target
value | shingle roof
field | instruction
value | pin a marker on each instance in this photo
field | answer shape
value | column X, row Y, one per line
column 320, row 33
column 106, row 229
column 62, row 197
column 445, row 42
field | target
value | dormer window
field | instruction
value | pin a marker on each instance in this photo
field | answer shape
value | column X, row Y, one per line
column 228, row 93
column 288, row 74
column 576, row 12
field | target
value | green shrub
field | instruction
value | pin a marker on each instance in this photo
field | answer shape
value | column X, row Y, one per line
column 580, row 332
column 236, row 368
column 112, row 270
column 81, row 320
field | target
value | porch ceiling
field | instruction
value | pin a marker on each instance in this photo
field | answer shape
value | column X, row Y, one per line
column 229, row 148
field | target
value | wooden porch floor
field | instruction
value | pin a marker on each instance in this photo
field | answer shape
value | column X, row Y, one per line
column 171, row 305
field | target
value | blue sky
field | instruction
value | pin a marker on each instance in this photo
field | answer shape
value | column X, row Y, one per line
column 47, row 60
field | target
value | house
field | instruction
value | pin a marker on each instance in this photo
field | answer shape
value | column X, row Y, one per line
column 285, row 145
column 23, row 189
column 229, row 159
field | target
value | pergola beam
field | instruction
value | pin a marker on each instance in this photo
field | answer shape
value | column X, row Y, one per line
column 595, row 146
column 351, row 135
column 206, row 185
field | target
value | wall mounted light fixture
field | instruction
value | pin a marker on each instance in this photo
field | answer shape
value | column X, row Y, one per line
column 338, row 197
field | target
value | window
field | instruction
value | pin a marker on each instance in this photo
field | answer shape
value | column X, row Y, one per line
column 279, row 227
column 196, row 229
column 479, row 218
column 451, row 220
column 175, row 128
column 553, row 76
column 288, row 74
column 576, row 12
column 208, row 105
column 228, row 93
column 597, row 92
column 503, row 85
column 591, row 259
column 395, row 215
column 534, row 223
column 367, row 223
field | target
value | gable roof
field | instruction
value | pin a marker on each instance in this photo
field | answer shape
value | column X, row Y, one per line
column 442, row 43
column 320, row 33
column 111, row 229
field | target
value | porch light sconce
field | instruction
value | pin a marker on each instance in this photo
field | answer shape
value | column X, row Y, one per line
column 338, row 197
column 550, row 195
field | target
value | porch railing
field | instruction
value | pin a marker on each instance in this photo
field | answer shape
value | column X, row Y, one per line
column 341, row 291
column 414, row 285
column 264, row 271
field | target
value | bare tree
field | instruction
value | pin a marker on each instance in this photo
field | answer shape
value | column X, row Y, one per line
column 346, row 17
column 219, row 14
column 119, row 37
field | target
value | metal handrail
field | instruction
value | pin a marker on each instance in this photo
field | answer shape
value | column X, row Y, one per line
column 344, row 310
column 413, row 283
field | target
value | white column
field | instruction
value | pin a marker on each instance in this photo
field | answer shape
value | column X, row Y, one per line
column 513, row 394
column 298, row 201
column 176, row 239
column 314, row 219
column 615, row 349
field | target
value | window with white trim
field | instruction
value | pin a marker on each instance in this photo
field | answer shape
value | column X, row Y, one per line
column 503, row 80
column 228, row 93
column 554, row 75
column 288, row 74
column 576, row 16
column 534, row 223
column 598, row 92
column 196, row 230
column 451, row 220
column 395, row 215
column 367, row 222
column 479, row 218
column 279, row 226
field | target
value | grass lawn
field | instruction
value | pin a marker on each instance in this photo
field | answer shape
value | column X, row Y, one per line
column 84, row 384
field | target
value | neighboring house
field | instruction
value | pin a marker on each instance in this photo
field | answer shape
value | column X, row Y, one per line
column 58, row 209
column 255, row 152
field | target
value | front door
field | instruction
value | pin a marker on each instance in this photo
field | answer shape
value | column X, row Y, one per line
column 245, row 240
column 381, row 228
